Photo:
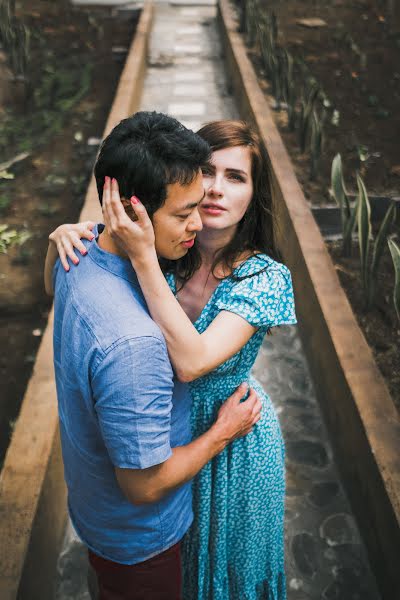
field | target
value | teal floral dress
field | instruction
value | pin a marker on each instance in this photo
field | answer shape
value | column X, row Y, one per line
column 234, row 549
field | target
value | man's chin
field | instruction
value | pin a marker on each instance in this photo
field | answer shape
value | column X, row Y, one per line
column 179, row 253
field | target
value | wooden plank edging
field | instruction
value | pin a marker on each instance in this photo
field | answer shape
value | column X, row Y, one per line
column 359, row 411
column 32, row 489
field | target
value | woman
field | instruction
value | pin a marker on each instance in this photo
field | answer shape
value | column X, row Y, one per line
column 214, row 326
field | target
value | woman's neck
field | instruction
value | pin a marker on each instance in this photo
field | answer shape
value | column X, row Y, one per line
column 211, row 241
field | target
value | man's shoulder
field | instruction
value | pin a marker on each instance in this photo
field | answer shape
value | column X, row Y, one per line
column 112, row 308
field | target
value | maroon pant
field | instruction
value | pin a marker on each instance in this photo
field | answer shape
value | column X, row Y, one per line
column 158, row 578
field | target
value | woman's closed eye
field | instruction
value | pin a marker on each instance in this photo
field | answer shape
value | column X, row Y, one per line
column 236, row 177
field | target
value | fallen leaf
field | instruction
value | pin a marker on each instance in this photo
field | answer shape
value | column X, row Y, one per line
column 314, row 22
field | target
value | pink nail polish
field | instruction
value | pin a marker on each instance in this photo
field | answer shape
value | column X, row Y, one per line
column 134, row 200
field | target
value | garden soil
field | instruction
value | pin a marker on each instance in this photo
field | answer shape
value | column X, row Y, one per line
column 355, row 58
column 57, row 117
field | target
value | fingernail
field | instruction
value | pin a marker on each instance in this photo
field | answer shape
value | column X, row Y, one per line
column 134, row 200
column 92, row 238
column 83, row 253
column 113, row 180
column 107, row 179
column 76, row 262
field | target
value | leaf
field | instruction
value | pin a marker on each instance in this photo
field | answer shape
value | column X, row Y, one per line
column 379, row 246
column 364, row 230
column 348, row 215
column 6, row 175
column 9, row 163
column 395, row 252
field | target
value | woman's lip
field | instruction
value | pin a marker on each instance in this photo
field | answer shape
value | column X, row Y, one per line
column 188, row 243
column 212, row 210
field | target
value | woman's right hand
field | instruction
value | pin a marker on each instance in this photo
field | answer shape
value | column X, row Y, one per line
column 67, row 238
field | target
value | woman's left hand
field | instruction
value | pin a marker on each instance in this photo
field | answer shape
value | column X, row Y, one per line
column 135, row 237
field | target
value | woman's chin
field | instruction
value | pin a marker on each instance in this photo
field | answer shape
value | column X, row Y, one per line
column 213, row 223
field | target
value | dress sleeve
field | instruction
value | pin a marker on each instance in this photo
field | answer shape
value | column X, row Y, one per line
column 264, row 299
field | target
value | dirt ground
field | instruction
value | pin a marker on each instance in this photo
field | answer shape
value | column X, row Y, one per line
column 76, row 59
column 365, row 90
column 381, row 327
column 355, row 58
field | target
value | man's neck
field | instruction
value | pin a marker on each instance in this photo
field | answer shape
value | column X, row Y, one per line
column 107, row 244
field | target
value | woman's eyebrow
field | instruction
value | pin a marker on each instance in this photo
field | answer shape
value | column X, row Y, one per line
column 239, row 171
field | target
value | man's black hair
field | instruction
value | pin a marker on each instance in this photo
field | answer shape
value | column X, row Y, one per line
column 145, row 153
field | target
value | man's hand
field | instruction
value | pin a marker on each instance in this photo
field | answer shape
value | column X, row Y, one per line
column 235, row 418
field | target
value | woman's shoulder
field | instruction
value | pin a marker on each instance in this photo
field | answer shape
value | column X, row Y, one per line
column 259, row 263
column 261, row 292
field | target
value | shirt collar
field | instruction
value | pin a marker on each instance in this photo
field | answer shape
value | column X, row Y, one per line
column 119, row 266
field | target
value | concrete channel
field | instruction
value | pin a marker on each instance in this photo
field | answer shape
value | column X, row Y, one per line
column 326, row 559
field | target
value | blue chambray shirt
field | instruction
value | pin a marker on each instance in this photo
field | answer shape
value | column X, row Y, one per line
column 119, row 405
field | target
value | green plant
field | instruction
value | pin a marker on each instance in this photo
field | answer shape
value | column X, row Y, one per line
column 10, row 237
column 364, row 231
column 15, row 38
column 395, row 252
column 289, row 90
column 316, row 139
column 368, row 246
column 251, row 21
column 347, row 213
column 307, row 106
column 378, row 247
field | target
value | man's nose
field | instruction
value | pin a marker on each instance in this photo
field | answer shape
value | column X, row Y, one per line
column 195, row 223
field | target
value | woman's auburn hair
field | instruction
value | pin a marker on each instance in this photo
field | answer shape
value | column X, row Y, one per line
column 256, row 230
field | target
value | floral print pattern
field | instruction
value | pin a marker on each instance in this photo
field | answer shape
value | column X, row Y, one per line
column 234, row 549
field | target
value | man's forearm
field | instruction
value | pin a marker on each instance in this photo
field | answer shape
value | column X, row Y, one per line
column 236, row 417
column 150, row 485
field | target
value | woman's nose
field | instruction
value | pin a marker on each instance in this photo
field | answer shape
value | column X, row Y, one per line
column 215, row 188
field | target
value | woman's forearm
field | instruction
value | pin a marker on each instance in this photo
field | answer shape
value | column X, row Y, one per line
column 51, row 257
column 186, row 346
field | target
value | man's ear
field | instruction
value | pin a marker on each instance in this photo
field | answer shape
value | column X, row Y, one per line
column 129, row 209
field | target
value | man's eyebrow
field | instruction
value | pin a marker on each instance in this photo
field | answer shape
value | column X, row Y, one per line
column 194, row 204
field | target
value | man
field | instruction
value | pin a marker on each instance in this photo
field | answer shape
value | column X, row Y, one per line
column 124, row 419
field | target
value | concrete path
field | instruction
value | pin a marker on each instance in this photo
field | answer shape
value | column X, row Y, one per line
column 325, row 557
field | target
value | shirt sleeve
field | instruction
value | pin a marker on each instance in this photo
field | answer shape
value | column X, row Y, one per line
column 264, row 300
column 132, row 388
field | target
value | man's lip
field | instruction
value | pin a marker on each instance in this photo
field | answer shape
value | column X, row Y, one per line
column 189, row 242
